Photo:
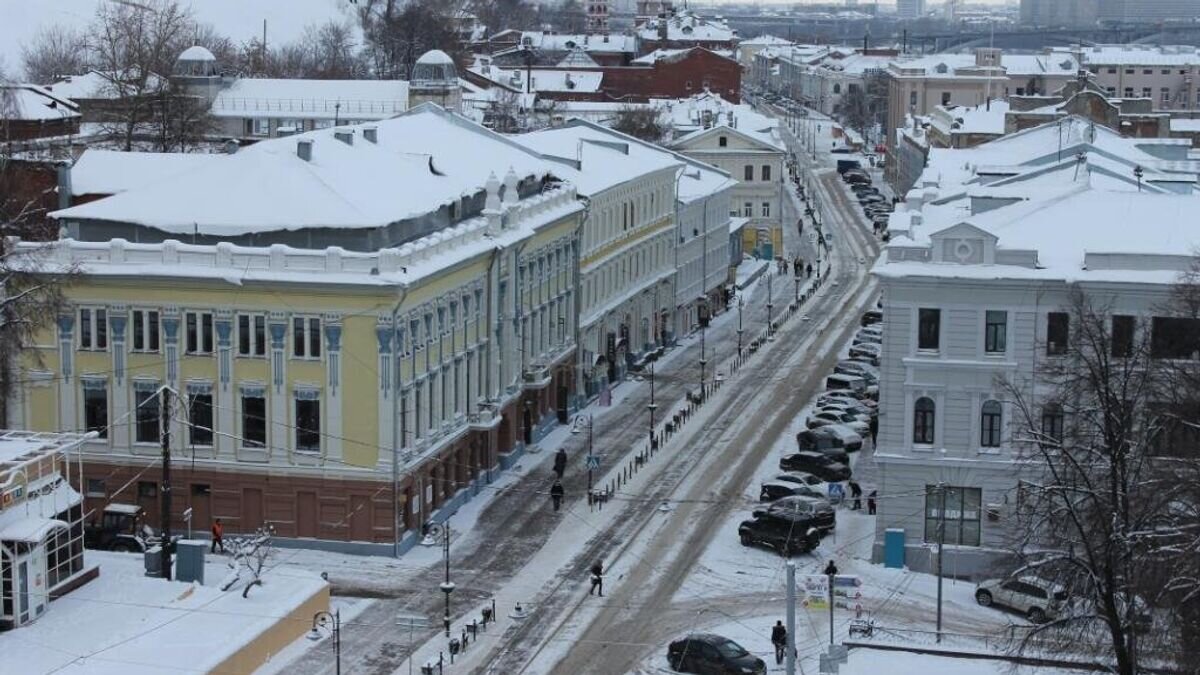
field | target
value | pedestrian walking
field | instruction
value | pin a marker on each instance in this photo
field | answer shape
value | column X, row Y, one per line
column 779, row 639
column 218, row 536
column 808, row 271
column 856, row 494
column 556, row 495
column 597, row 579
column 874, row 429
column 871, row 503
column 560, row 462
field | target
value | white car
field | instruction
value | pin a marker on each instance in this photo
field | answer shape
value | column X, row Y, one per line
column 1039, row 600
column 824, row 418
column 851, row 440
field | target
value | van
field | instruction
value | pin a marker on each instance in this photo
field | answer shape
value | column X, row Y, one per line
column 841, row 382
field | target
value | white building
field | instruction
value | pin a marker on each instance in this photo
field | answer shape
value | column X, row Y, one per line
column 976, row 282
column 1166, row 75
column 740, row 141
column 910, row 9
column 626, row 258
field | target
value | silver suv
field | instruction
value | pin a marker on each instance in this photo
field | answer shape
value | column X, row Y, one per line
column 1039, row 600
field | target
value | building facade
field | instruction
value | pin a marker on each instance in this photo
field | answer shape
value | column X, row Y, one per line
column 1166, row 76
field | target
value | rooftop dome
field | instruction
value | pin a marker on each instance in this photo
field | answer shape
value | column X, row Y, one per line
column 432, row 57
column 435, row 70
column 196, row 61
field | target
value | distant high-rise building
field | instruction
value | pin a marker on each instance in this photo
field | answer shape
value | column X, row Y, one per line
column 1059, row 12
column 910, row 9
column 1135, row 11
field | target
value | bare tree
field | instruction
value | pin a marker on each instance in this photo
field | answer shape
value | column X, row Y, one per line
column 503, row 111
column 54, row 52
column 398, row 33
column 135, row 47
column 500, row 15
column 181, row 121
column 565, row 16
column 1103, row 511
column 864, row 106
column 642, row 122
column 250, row 556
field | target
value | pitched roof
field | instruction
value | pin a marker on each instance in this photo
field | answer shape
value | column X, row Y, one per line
column 34, row 103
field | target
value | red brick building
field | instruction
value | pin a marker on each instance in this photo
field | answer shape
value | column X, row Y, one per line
column 663, row 74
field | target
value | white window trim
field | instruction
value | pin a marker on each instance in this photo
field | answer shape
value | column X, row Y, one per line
column 147, row 333
column 307, row 318
column 241, row 416
column 200, row 314
column 92, row 333
column 250, row 327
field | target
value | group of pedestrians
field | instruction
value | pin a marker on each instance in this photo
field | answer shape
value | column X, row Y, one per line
column 856, row 493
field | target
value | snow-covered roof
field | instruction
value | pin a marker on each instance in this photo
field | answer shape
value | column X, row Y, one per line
column 33, row 103
column 577, row 58
column 541, row 79
column 986, row 118
column 1011, row 65
column 97, row 85
column 561, row 42
column 855, row 63
column 1140, row 55
column 676, row 55
column 1187, row 126
column 108, row 172
column 697, row 115
column 605, row 158
column 17, row 447
column 686, row 26
column 421, row 161
column 765, row 41
column 312, row 99
column 435, row 57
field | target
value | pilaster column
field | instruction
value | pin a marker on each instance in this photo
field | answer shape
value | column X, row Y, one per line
column 333, row 390
column 118, row 319
column 170, row 325
column 384, row 333
column 278, row 431
column 67, row 418
column 225, row 396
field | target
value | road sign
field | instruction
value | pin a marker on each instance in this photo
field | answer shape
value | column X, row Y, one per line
column 593, row 462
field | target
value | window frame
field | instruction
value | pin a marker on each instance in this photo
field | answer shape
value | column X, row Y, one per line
column 307, row 439
column 991, row 424
column 253, row 338
column 97, row 329
column 145, row 327
column 924, row 422
column 146, row 413
column 955, row 519
column 924, row 313
column 748, row 173
column 765, row 172
column 995, row 333
column 199, row 333
column 196, row 422
column 244, row 439
column 308, row 338
column 1122, row 335
column 100, row 429
column 1058, row 322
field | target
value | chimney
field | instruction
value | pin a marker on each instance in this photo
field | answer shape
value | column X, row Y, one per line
column 304, row 149
column 662, row 30
column 345, row 135
column 371, row 134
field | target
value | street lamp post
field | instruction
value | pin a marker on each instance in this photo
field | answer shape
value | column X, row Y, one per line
column 323, row 619
column 703, row 359
column 447, row 585
column 741, row 304
column 770, row 304
column 652, row 406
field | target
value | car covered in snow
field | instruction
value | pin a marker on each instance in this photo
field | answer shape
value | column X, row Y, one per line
column 818, row 464
column 827, row 416
column 822, row 513
column 709, row 654
column 1039, row 600
column 851, row 440
column 772, row 490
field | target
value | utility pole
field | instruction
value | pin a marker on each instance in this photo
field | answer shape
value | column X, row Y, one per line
column 790, row 645
column 941, row 488
column 652, row 406
column 770, row 304
column 165, row 437
column 447, row 585
column 741, row 304
column 703, row 359
column 831, row 571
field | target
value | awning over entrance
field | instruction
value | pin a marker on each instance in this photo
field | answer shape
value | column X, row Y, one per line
column 31, row 530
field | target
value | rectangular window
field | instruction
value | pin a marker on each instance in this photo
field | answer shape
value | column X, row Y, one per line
column 1147, row 92
column 929, row 328
column 306, row 337
column 198, row 332
column 146, row 427
column 252, row 335
column 748, row 210
column 748, row 173
column 1175, row 338
column 254, row 418
column 1123, row 328
column 1165, row 95
column 308, row 424
column 93, row 329
column 766, row 172
column 200, row 419
column 262, row 127
column 1128, row 92
column 1058, row 332
column 145, row 330
column 995, row 331
column 766, row 209
column 95, row 408
column 147, row 489
column 945, row 98
column 96, row 487
column 990, row 420
column 912, row 98
column 952, row 515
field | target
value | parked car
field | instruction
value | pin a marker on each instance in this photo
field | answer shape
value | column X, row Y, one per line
column 857, row 386
column 706, row 653
column 816, row 440
column 1039, row 600
column 858, row 413
column 871, row 352
column 852, row 441
column 870, row 198
column 772, row 490
column 818, row 464
column 868, row 339
column 828, row 416
column 858, row 369
column 819, row 488
column 787, row 533
column 817, row 508
column 867, row 407
column 871, row 316
column 855, row 177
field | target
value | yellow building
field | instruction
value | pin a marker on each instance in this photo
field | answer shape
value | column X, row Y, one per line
column 337, row 394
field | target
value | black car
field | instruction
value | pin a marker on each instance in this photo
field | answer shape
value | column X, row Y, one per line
column 825, row 442
column 773, row 490
column 817, row 509
column 708, row 654
column 871, row 316
column 783, row 531
column 818, row 464
column 853, row 178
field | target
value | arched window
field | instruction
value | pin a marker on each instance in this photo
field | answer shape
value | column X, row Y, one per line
column 989, row 424
column 923, row 419
column 837, row 88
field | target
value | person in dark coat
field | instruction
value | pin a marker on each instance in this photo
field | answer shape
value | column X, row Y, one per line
column 874, row 430
column 556, row 495
column 871, row 503
column 560, row 462
column 218, row 536
column 779, row 639
column 597, row 579
column 856, row 495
